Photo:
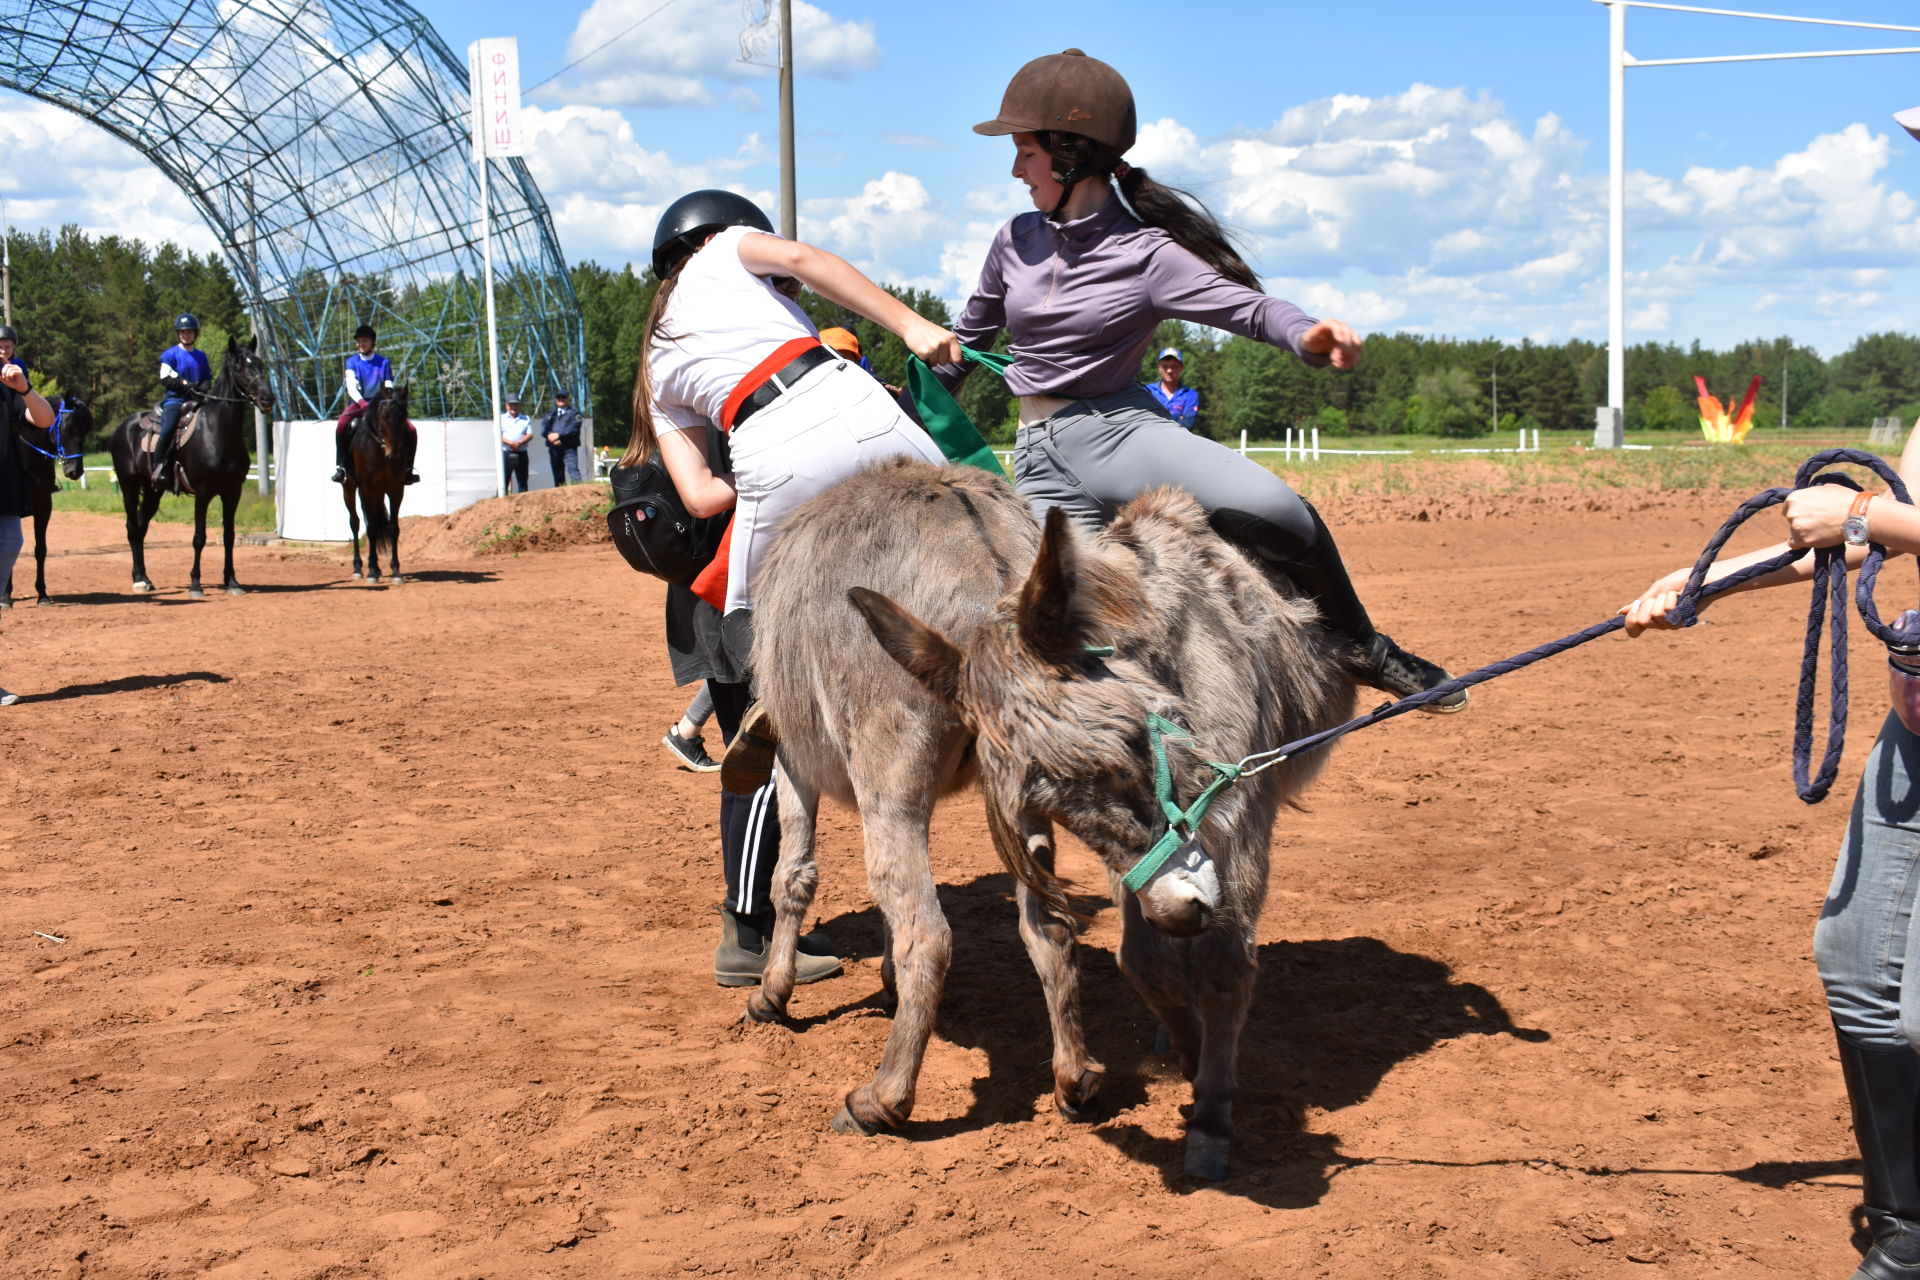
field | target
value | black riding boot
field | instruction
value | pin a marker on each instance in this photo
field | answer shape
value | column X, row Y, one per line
column 162, row 477
column 342, row 441
column 1884, row 1087
column 1318, row 570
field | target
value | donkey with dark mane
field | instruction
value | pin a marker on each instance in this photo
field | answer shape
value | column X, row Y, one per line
column 379, row 456
column 45, row 452
column 209, row 460
column 1037, row 663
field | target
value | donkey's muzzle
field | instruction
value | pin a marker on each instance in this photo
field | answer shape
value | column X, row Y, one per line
column 1183, row 894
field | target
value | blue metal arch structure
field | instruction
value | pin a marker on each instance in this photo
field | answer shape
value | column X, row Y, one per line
column 327, row 145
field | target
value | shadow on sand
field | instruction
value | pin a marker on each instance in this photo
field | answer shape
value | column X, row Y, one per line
column 1331, row 1017
column 126, row 684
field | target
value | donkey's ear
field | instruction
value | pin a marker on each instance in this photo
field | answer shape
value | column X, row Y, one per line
column 1048, row 621
column 253, row 343
column 1072, row 600
column 928, row 656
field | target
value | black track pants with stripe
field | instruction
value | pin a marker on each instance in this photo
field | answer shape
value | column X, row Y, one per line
column 749, row 825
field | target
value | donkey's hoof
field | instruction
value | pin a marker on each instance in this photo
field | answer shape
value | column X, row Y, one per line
column 42, row 602
column 761, row 1009
column 1081, row 1103
column 357, row 575
column 5, row 605
column 196, row 593
column 846, row 1122
column 142, row 586
column 235, row 589
column 1207, row 1156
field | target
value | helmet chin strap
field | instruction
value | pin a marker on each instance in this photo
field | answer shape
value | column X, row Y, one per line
column 1068, row 181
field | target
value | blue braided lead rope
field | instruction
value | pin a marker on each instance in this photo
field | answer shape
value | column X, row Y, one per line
column 1828, row 606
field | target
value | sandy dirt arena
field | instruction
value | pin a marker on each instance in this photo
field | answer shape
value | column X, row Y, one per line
column 388, row 933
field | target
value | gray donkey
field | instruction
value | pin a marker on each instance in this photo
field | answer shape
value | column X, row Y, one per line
column 1031, row 663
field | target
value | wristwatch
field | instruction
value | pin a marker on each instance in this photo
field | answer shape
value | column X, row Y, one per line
column 1856, row 523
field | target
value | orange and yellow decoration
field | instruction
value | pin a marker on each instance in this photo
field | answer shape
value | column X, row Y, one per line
column 1718, row 422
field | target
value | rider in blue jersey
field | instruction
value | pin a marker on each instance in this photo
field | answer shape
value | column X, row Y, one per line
column 187, row 375
column 366, row 373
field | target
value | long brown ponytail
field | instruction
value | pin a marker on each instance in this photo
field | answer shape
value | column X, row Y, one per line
column 1179, row 213
column 645, row 440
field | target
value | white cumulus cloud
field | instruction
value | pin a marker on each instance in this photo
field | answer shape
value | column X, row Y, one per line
column 675, row 53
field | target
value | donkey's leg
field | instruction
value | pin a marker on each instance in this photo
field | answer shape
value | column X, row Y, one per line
column 794, row 878
column 1050, row 945
column 1223, row 968
column 1149, row 963
column 229, row 509
column 895, row 815
column 200, row 501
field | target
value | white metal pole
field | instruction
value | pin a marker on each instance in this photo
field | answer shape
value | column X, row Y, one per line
column 6, row 263
column 1783, row 394
column 1316, row 444
column 493, row 331
column 1243, row 442
column 1617, row 209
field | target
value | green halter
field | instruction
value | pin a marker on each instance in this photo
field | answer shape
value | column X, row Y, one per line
column 1182, row 824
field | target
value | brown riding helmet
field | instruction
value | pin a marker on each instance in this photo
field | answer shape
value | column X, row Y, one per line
column 1071, row 93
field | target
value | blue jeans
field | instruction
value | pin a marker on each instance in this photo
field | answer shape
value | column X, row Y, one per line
column 1866, row 940
column 169, row 418
column 11, row 540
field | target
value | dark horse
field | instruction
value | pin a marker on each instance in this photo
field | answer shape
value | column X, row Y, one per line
column 41, row 449
column 212, row 462
column 379, row 454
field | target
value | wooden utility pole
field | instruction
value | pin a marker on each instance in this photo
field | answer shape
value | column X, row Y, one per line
column 789, row 214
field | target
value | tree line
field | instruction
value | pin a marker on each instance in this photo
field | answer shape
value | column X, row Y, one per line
column 94, row 313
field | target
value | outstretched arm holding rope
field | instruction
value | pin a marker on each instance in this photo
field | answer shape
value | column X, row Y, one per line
column 1867, row 941
column 1816, row 517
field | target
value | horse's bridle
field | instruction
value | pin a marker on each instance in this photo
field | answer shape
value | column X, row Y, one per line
column 60, row 455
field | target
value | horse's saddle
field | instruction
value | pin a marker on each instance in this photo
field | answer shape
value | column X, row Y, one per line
column 146, row 432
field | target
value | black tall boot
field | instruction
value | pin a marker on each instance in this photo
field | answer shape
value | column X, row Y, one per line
column 342, row 441
column 1883, row 1085
column 1318, row 569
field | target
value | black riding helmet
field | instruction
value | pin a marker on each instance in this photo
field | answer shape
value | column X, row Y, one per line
column 8, row 333
column 365, row 331
column 187, row 321
column 696, row 215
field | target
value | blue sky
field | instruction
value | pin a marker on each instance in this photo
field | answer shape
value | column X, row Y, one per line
column 1426, row 166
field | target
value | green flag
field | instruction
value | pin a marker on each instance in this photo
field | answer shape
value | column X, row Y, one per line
column 946, row 421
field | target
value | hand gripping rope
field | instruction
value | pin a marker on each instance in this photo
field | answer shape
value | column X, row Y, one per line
column 1829, row 593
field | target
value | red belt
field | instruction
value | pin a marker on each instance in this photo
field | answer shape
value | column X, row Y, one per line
column 780, row 363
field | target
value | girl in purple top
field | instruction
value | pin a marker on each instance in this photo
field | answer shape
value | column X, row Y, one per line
column 1080, row 285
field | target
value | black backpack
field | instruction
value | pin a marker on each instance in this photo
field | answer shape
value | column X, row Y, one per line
column 652, row 529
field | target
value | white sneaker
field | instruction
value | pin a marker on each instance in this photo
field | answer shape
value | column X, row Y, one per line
column 8, row 699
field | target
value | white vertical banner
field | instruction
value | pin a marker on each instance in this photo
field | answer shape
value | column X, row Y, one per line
column 493, row 70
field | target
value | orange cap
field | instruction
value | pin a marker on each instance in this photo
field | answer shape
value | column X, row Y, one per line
column 841, row 340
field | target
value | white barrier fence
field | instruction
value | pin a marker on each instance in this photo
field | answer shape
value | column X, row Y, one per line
column 458, row 462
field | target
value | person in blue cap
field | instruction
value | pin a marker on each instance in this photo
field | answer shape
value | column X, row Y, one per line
column 187, row 374
column 1181, row 403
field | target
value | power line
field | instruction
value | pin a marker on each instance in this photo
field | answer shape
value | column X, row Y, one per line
column 622, row 34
